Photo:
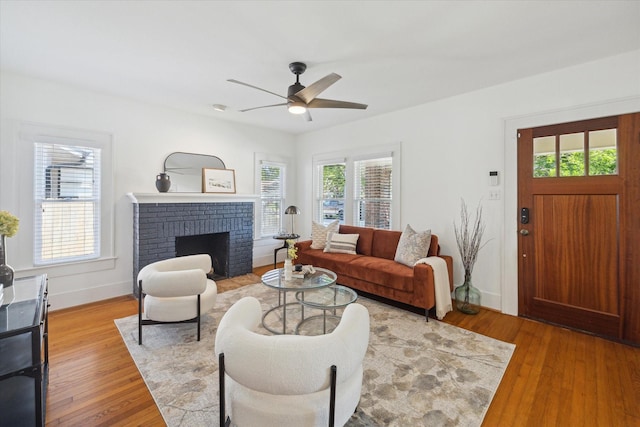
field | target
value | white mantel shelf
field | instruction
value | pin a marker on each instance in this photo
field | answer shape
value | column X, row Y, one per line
column 170, row 197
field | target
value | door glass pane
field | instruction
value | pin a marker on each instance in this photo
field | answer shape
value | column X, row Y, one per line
column 544, row 156
column 572, row 154
column 603, row 152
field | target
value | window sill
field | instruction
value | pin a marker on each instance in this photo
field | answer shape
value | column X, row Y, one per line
column 70, row 269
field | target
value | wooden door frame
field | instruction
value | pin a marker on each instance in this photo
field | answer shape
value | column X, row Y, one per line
column 509, row 279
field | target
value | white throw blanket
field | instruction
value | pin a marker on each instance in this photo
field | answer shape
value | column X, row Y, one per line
column 441, row 284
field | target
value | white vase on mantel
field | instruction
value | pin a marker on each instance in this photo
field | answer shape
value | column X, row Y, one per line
column 288, row 269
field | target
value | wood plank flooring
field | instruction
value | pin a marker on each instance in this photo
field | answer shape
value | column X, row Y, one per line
column 555, row 377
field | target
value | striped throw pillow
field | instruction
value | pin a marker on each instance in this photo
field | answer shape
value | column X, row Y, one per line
column 341, row 243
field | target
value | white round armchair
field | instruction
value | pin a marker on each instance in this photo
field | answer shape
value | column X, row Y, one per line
column 175, row 290
column 289, row 380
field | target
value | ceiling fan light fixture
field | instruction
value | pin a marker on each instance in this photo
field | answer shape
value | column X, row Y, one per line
column 297, row 107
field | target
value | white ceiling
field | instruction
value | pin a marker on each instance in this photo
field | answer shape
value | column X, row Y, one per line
column 391, row 54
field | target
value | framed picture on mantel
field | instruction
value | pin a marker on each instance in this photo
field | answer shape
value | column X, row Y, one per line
column 218, row 180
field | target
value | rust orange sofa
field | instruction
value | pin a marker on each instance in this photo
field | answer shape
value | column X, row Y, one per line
column 373, row 269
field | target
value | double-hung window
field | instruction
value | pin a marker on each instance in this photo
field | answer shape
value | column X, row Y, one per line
column 67, row 203
column 360, row 188
column 272, row 197
column 66, row 208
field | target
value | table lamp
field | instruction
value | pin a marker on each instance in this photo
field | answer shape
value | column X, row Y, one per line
column 292, row 210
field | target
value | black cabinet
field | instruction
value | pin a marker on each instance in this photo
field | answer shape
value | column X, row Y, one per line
column 24, row 353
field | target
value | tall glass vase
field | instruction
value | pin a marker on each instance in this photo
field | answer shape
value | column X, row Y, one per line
column 6, row 272
column 467, row 296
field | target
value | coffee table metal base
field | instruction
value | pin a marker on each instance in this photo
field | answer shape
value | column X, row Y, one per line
column 275, row 309
column 275, row 279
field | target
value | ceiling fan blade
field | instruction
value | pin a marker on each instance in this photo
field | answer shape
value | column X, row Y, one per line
column 264, row 106
column 314, row 89
column 330, row 103
column 256, row 87
column 307, row 116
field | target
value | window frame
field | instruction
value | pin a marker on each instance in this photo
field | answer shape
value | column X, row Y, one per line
column 271, row 158
column 27, row 134
column 350, row 158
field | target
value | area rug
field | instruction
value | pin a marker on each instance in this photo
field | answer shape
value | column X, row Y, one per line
column 417, row 373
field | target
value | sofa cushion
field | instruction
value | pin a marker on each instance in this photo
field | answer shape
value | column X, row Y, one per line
column 338, row 263
column 365, row 241
column 412, row 246
column 385, row 243
column 341, row 243
column 319, row 233
column 384, row 272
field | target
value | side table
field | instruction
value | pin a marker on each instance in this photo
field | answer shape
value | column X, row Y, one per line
column 24, row 354
column 325, row 299
column 284, row 238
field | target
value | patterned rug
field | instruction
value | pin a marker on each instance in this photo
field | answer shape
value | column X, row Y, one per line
column 417, row 373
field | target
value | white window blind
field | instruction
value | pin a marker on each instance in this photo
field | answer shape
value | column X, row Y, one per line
column 373, row 192
column 67, row 203
column 272, row 194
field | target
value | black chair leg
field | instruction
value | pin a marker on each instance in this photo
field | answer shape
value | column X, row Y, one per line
column 140, row 312
column 198, row 317
column 332, row 398
column 221, row 374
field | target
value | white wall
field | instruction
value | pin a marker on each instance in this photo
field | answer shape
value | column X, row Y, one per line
column 143, row 135
column 449, row 147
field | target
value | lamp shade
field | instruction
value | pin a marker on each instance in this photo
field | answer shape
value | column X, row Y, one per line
column 292, row 210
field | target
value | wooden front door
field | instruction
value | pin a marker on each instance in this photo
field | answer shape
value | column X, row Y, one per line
column 572, row 215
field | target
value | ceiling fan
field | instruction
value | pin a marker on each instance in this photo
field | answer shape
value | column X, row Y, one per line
column 300, row 98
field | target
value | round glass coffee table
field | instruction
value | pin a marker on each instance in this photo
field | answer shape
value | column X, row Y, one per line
column 326, row 299
column 275, row 279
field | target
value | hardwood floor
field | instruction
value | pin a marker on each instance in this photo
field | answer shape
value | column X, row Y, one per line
column 555, row 377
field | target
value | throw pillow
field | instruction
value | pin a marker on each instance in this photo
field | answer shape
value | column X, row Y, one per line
column 319, row 233
column 412, row 246
column 341, row 243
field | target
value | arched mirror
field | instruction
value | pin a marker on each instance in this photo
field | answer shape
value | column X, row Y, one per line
column 185, row 170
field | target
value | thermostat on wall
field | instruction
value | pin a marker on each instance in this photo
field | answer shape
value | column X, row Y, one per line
column 493, row 178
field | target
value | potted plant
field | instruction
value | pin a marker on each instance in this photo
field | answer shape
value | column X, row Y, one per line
column 469, row 239
column 8, row 228
column 292, row 254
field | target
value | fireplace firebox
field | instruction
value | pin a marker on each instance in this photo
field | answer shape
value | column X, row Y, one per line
column 214, row 244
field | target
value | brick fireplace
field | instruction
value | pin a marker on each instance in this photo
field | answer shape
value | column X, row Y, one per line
column 159, row 220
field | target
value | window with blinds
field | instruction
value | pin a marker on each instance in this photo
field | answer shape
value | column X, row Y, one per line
column 67, row 203
column 272, row 193
column 373, row 192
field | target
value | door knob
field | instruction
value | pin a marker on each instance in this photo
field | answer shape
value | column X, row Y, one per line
column 524, row 232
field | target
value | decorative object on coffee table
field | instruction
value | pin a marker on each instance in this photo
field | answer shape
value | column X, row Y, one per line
column 469, row 240
column 8, row 228
column 163, row 182
column 292, row 254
